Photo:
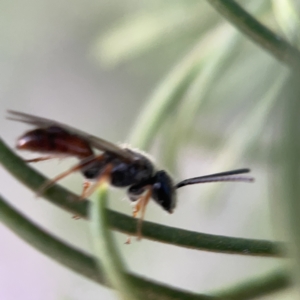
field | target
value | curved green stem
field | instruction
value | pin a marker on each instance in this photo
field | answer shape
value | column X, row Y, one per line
column 290, row 171
column 196, row 240
column 86, row 265
column 258, row 287
column 106, row 251
column 81, row 262
column 260, row 34
column 49, row 245
column 179, row 237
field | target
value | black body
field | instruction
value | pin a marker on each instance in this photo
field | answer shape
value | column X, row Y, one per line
column 137, row 176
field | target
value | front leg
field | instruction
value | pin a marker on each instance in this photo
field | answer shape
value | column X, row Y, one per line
column 140, row 206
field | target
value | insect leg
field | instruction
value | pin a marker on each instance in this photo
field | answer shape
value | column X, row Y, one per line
column 77, row 167
column 141, row 206
column 42, row 158
column 86, row 185
column 136, row 208
column 84, row 194
column 135, row 211
column 90, row 188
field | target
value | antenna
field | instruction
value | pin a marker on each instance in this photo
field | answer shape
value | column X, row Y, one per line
column 229, row 176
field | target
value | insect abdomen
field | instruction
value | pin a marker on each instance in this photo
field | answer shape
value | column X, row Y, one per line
column 54, row 140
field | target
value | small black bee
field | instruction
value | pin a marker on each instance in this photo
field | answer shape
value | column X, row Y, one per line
column 120, row 166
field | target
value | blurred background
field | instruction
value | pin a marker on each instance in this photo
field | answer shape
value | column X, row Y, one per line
column 108, row 68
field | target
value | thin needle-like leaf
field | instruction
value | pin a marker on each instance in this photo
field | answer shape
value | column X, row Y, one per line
column 272, row 282
column 87, row 266
column 260, row 34
column 287, row 18
column 195, row 97
column 105, row 248
column 144, row 30
column 80, row 262
column 290, row 171
column 248, row 132
column 168, row 95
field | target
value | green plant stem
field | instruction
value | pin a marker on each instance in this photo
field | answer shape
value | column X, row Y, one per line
column 194, row 98
column 81, row 262
column 86, row 265
column 260, row 34
column 290, row 171
column 179, row 237
column 164, row 100
column 105, row 248
column 47, row 244
column 258, row 287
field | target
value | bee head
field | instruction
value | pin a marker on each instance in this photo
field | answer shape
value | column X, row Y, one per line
column 163, row 191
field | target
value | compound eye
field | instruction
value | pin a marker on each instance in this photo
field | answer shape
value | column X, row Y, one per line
column 163, row 191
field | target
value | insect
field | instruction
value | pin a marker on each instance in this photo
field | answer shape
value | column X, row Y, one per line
column 121, row 166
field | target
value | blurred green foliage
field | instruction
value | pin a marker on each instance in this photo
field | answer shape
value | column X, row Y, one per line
column 222, row 96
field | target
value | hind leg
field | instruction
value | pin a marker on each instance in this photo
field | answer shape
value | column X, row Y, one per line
column 42, row 158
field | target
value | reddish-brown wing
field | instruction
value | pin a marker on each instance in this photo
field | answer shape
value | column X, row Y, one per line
column 94, row 141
